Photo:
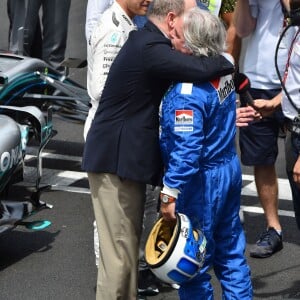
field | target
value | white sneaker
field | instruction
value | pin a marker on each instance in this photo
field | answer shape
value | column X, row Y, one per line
column 175, row 286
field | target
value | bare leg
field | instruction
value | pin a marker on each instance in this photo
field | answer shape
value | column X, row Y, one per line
column 267, row 188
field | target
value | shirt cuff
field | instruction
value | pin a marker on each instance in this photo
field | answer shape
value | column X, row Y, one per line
column 170, row 191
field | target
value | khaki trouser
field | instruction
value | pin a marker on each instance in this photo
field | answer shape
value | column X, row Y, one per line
column 119, row 208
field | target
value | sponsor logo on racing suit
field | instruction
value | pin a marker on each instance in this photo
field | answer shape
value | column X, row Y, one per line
column 224, row 86
column 184, row 120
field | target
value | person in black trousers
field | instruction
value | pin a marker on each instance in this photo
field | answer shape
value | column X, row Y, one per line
column 46, row 39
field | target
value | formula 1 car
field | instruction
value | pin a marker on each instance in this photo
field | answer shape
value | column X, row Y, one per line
column 19, row 125
column 30, row 81
column 30, row 92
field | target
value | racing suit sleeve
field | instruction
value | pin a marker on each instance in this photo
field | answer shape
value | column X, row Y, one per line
column 182, row 135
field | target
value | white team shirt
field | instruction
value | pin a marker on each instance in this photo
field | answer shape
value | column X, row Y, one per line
column 106, row 40
column 259, row 61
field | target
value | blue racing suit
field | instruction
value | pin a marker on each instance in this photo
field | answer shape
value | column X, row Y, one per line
column 198, row 145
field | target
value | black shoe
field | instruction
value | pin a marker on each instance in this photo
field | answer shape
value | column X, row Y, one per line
column 269, row 243
column 147, row 284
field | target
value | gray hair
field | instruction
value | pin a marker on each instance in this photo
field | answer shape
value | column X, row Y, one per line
column 160, row 8
column 204, row 33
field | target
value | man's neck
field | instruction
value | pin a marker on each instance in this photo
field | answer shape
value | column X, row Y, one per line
column 161, row 26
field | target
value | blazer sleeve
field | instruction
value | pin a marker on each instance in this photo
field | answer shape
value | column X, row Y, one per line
column 164, row 62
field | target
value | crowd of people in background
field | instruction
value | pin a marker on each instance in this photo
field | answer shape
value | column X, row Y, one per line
column 141, row 53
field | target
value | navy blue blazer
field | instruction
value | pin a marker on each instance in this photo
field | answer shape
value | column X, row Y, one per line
column 124, row 136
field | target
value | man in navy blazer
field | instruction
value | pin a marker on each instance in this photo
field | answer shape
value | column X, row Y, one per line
column 125, row 130
column 122, row 152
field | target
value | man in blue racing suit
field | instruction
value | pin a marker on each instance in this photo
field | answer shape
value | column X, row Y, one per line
column 202, row 170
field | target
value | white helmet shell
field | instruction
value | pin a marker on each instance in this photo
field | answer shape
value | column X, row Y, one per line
column 175, row 252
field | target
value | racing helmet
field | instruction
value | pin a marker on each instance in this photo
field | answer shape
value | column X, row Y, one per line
column 175, row 251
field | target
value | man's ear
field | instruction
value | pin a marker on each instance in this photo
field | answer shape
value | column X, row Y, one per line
column 171, row 20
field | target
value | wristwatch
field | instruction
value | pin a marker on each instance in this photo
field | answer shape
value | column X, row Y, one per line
column 166, row 198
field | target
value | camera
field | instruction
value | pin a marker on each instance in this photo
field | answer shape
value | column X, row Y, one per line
column 294, row 15
column 296, row 125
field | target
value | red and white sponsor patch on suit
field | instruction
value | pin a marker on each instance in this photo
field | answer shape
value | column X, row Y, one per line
column 224, row 86
column 184, row 120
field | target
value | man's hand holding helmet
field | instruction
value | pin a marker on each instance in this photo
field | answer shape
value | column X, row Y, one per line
column 168, row 197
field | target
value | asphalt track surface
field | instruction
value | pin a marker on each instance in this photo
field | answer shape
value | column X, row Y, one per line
column 57, row 263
